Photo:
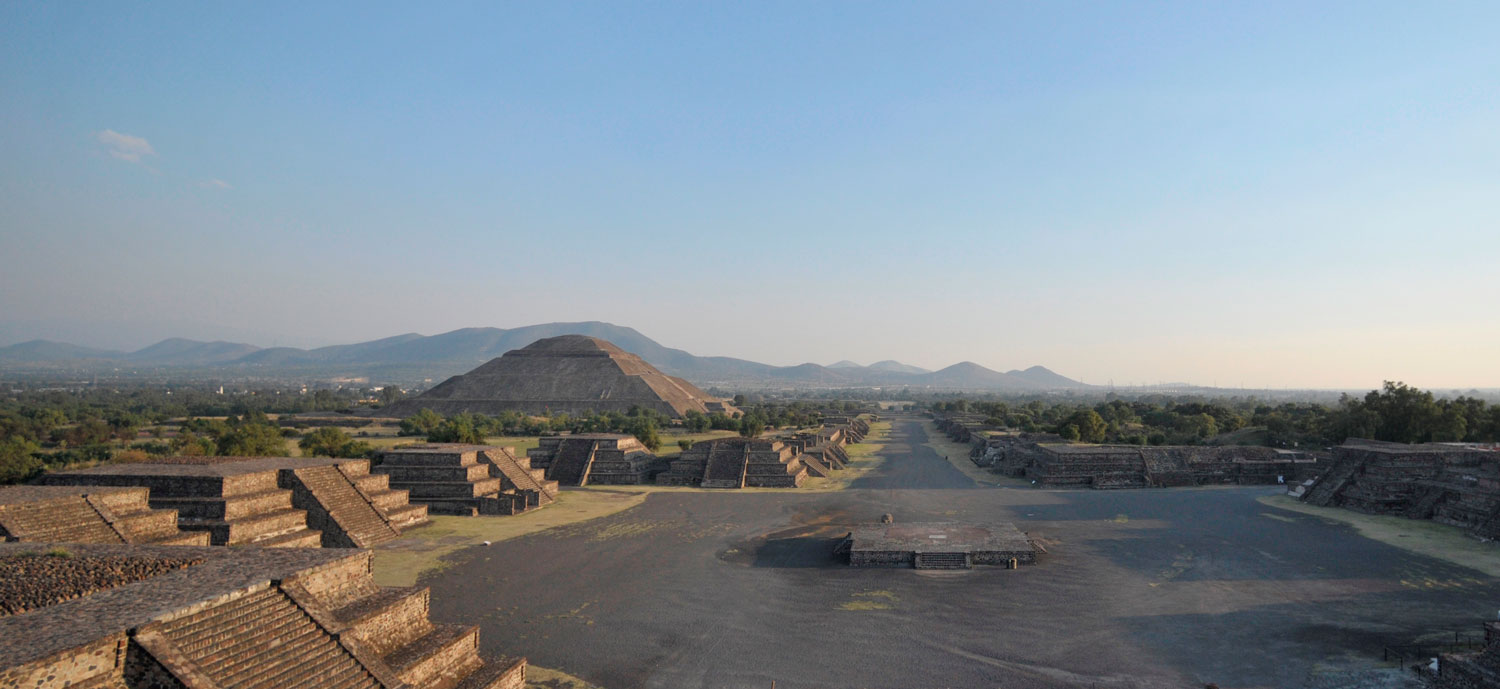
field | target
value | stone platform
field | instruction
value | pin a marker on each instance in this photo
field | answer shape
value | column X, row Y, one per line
column 151, row 616
column 454, row 478
column 939, row 545
column 267, row 501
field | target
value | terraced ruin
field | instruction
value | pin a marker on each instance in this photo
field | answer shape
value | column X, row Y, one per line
column 266, row 501
column 67, row 514
column 449, row 478
column 150, row 616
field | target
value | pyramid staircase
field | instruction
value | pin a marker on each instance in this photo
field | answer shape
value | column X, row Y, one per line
column 815, row 465
column 726, row 466
column 330, row 626
column 55, row 514
column 572, row 463
column 1327, row 487
column 334, row 504
column 519, row 476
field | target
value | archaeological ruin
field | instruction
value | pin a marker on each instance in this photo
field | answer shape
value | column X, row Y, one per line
column 266, row 501
column 737, row 463
column 1449, row 483
column 939, row 545
column 571, row 374
column 1051, row 462
column 594, row 458
column 458, row 479
column 68, row 514
column 149, row 617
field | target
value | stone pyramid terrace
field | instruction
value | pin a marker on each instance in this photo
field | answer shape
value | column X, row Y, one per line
column 267, row 501
column 67, row 514
column 138, row 617
column 737, row 463
column 594, row 458
column 460, row 479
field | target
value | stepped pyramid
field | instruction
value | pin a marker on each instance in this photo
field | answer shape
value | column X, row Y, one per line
column 607, row 458
column 571, row 374
column 737, row 463
column 453, row 478
column 67, row 514
column 267, row 500
column 139, row 617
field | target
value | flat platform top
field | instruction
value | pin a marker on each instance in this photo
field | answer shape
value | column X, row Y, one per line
column 206, row 466
column 948, row 537
column 191, row 575
column 12, row 495
column 441, row 448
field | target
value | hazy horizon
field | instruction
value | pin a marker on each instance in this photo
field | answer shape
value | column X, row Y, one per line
column 1283, row 195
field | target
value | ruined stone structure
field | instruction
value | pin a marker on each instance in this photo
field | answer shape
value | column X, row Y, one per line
column 451, row 478
column 1133, row 466
column 67, row 514
column 1479, row 670
column 150, row 617
column 939, row 545
column 267, row 501
column 821, row 459
column 1452, row 484
column 592, row 458
column 570, row 374
column 737, row 463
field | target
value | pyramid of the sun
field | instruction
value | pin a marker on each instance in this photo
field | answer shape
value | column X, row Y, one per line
column 574, row 374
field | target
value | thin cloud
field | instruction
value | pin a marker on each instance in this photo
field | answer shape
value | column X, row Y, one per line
column 214, row 184
column 124, row 146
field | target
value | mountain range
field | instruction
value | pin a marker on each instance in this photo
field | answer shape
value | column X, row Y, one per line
column 454, row 352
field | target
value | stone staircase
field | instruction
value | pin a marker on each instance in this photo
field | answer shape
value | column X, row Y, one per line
column 572, row 463
column 393, row 505
column 1326, row 489
column 520, row 476
column 942, row 561
column 56, row 521
column 1426, row 503
column 336, row 506
column 726, row 466
column 815, row 466
column 263, row 640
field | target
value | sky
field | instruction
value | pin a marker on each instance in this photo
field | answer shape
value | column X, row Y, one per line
column 1268, row 194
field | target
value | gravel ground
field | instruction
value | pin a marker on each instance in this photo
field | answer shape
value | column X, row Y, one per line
column 1141, row 588
column 35, row 580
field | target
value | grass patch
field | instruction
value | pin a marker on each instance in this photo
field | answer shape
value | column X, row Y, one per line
column 864, row 458
column 870, row 600
column 420, row 550
column 1420, row 536
column 546, row 678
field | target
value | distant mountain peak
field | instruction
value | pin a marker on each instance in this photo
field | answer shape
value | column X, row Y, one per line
column 845, row 364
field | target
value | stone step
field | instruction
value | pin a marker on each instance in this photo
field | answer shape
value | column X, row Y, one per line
column 199, row 538
column 396, row 457
column 407, row 515
column 147, row 525
column 941, row 561
column 440, row 658
column 248, row 529
column 389, row 618
column 305, row 538
column 388, row 498
column 496, row 673
column 424, row 490
column 347, row 518
column 226, row 508
column 407, row 474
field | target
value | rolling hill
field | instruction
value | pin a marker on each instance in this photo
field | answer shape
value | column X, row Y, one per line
column 460, row 350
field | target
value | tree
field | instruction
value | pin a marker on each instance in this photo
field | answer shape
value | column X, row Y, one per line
column 389, row 394
column 458, row 429
column 1088, row 424
column 18, row 460
column 421, row 423
column 332, row 442
column 1068, row 432
column 251, row 440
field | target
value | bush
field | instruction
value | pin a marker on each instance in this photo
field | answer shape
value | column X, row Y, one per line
column 18, row 460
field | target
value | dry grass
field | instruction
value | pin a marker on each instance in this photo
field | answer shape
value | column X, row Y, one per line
column 669, row 440
column 546, row 678
column 1421, row 536
column 402, row 562
column 864, row 458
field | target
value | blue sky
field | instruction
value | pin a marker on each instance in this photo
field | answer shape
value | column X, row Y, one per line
column 1267, row 194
